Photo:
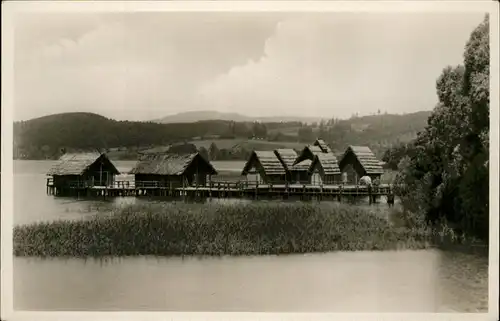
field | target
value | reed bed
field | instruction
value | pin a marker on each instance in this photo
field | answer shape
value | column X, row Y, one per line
column 218, row 229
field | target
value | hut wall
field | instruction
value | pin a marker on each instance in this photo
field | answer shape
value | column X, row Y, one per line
column 65, row 181
column 254, row 174
column 197, row 172
column 300, row 177
column 331, row 179
column 350, row 165
column 163, row 180
column 325, row 179
column 316, row 178
column 350, row 176
column 101, row 172
column 274, row 179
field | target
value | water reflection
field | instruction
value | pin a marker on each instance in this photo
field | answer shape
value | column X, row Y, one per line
column 404, row 281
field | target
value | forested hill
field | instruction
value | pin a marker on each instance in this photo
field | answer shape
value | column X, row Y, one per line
column 46, row 137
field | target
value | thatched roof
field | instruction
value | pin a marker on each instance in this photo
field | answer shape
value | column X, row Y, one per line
column 168, row 164
column 286, row 156
column 366, row 158
column 328, row 162
column 308, row 152
column 302, row 166
column 268, row 160
column 78, row 163
column 322, row 145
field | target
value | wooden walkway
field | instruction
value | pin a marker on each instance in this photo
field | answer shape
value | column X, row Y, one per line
column 239, row 189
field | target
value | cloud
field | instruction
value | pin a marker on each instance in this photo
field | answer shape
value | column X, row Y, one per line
column 131, row 66
column 327, row 65
column 146, row 65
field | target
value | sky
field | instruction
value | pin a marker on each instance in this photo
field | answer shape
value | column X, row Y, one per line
column 143, row 66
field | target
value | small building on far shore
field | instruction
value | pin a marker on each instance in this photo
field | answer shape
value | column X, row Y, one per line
column 264, row 167
column 324, row 170
column 82, row 170
column 172, row 170
column 359, row 161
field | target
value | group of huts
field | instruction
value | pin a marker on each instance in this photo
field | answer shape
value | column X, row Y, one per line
column 316, row 164
column 94, row 169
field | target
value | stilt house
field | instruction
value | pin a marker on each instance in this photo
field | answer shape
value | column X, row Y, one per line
column 82, row 170
column 324, row 170
column 264, row 167
column 298, row 173
column 359, row 161
column 310, row 151
column 172, row 170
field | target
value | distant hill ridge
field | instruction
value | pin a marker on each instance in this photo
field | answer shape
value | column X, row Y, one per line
column 45, row 137
column 194, row 116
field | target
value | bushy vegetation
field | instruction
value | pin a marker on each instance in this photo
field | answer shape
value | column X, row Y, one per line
column 219, row 229
column 445, row 172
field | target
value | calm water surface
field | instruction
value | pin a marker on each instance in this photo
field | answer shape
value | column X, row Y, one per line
column 399, row 281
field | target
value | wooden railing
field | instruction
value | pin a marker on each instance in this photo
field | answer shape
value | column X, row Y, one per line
column 224, row 185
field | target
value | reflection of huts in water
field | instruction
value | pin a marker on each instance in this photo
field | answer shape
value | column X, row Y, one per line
column 264, row 167
column 172, row 170
column 83, row 170
column 294, row 173
column 325, row 170
column 359, row 161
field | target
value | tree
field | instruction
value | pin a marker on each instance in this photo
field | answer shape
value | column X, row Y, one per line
column 447, row 175
column 213, row 151
column 305, row 134
column 259, row 130
column 204, row 153
column 322, row 130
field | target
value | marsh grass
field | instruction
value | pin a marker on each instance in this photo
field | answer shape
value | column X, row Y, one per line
column 179, row 229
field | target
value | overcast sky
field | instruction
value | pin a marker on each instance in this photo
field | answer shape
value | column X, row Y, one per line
column 142, row 66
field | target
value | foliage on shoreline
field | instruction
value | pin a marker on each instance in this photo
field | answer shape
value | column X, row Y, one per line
column 219, row 229
column 445, row 171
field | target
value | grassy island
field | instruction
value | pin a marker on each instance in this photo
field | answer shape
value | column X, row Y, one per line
column 219, row 229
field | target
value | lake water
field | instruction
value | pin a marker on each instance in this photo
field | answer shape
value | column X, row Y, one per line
column 391, row 281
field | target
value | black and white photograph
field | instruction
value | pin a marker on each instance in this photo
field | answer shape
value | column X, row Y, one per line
column 266, row 159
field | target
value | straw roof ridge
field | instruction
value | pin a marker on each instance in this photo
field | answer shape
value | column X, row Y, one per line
column 76, row 163
column 286, row 156
column 302, row 166
column 328, row 162
column 322, row 145
column 366, row 158
column 311, row 148
column 164, row 163
column 269, row 162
